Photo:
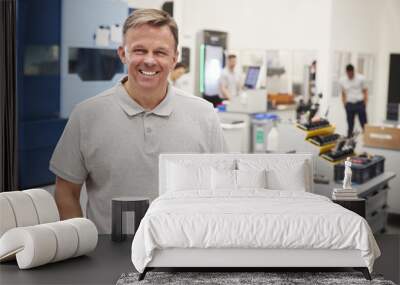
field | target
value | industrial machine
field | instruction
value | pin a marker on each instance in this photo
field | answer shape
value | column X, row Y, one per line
column 211, row 61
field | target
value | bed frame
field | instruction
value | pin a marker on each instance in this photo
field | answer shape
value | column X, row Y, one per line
column 241, row 259
column 245, row 259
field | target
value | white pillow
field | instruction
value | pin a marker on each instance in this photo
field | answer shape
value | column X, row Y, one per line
column 188, row 177
column 293, row 180
column 251, row 178
column 223, row 179
column 281, row 174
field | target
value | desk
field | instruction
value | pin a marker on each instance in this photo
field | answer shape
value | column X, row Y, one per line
column 364, row 189
column 392, row 165
column 374, row 192
column 102, row 266
column 356, row 205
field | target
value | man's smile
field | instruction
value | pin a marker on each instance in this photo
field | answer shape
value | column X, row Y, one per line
column 148, row 73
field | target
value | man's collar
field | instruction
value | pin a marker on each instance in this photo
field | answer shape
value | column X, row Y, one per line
column 165, row 107
column 132, row 108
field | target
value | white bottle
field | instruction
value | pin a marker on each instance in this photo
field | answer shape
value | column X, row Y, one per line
column 273, row 138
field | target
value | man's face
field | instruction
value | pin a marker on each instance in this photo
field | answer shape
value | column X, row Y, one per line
column 350, row 74
column 232, row 62
column 150, row 54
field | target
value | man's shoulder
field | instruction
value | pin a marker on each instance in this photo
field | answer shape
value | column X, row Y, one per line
column 93, row 107
column 188, row 99
column 101, row 99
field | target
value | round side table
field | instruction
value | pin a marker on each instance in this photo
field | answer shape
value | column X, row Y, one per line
column 139, row 205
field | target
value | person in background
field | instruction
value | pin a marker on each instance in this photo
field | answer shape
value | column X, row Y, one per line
column 313, row 70
column 229, row 82
column 177, row 76
column 354, row 97
column 112, row 141
column 312, row 80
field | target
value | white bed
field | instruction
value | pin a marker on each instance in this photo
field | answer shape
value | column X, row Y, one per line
column 247, row 210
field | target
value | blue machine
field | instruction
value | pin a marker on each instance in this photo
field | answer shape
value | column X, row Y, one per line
column 38, row 89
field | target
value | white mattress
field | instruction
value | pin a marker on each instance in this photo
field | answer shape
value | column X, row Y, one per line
column 252, row 218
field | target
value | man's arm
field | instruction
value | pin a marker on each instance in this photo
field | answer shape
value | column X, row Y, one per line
column 365, row 92
column 67, row 198
column 225, row 92
column 240, row 83
column 344, row 97
column 222, row 87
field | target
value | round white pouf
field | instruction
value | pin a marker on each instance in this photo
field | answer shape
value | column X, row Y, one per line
column 33, row 246
column 7, row 218
column 45, row 205
column 40, row 244
column 23, row 208
column 67, row 240
column 87, row 235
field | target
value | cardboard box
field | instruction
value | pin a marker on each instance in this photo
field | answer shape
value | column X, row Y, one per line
column 382, row 137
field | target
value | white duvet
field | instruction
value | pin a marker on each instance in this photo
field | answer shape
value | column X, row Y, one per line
column 252, row 218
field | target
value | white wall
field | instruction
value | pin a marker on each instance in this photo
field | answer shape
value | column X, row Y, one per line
column 355, row 24
column 258, row 24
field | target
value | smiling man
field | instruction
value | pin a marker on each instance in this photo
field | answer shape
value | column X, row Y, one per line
column 112, row 141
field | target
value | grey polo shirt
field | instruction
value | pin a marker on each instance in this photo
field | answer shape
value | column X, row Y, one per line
column 112, row 143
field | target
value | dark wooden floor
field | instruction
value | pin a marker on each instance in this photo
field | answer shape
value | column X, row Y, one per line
column 389, row 243
column 110, row 260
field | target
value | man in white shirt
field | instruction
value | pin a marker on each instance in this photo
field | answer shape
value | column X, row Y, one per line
column 355, row 98
column 229, row 81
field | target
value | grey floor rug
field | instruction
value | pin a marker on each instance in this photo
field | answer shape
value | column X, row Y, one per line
column 269, row 278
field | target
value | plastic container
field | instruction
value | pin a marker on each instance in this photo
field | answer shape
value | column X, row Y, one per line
column 262, row 125
column 234, row 135
column 221, row 108
column 361, row 173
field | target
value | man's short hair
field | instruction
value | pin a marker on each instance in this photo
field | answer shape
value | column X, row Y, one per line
column 349, row 68
column 230, row 56
column 152, row 17
column 179, row 65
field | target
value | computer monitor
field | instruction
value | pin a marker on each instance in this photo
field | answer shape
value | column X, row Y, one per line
column 252, row 77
